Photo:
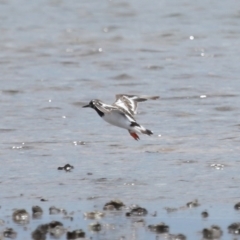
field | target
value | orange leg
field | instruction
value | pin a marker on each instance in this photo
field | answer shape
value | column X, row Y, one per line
column 134, row 135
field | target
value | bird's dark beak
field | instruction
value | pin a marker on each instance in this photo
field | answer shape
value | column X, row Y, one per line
column 86, row 106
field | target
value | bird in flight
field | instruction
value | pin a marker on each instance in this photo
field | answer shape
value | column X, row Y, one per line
column 121, row 112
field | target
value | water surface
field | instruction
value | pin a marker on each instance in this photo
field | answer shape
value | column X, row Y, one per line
column 56, row 56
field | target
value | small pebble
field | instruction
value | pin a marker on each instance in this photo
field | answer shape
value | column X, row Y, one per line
column 154, row 214
column 43, row 200
column 217, row 166
column 237, row 206
column 76, row 234
column 94, row 215
column 95, row 227
column 192, row 204
column 54, row 210
column 79, row 143
column 9, row 233
column 140, row 221
column 159, row 228
column 170, row 210
column 177, row 237
column 204, row 214
column 67, row 168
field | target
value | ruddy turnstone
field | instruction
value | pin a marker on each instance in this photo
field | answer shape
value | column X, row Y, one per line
column 121, row 112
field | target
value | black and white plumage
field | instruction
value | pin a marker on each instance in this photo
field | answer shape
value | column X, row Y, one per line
column 121, row 112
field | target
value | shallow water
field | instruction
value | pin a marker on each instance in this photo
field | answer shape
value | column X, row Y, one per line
column 56, row 56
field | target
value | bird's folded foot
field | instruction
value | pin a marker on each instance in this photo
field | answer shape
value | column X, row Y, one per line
column 134, row 135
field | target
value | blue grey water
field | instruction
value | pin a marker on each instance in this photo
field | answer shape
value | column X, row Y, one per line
column 57, row 55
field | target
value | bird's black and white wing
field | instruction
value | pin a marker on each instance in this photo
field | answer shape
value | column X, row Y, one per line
column 129, row 102
column 105, row 108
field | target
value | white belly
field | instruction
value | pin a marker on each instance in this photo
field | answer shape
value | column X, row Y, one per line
column 117, row 119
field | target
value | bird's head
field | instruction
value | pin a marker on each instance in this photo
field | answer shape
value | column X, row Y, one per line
column 90, row 105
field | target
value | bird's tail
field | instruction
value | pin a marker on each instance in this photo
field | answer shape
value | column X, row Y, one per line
column 147, row 131
column 138, row 128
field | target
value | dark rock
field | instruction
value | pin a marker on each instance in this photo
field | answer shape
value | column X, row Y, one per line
column 234, row 228
column 76, row 234
column 9, row 233
column 54, row 228
column 54, row 210
column 237, row 206
column 20, row 216
column 204, row 214
column 96, row 227
column 214, row 232
column 43, row 200
column 113, row 205
column 159, row 228
column 40, row 232
column 192, row 204
column 37, row 212
column 137, row 211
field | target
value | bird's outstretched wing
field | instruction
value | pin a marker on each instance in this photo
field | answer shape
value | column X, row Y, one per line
column 105, row 108
column 129, row 102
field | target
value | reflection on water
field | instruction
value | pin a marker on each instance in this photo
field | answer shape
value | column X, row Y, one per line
column 56, row 56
